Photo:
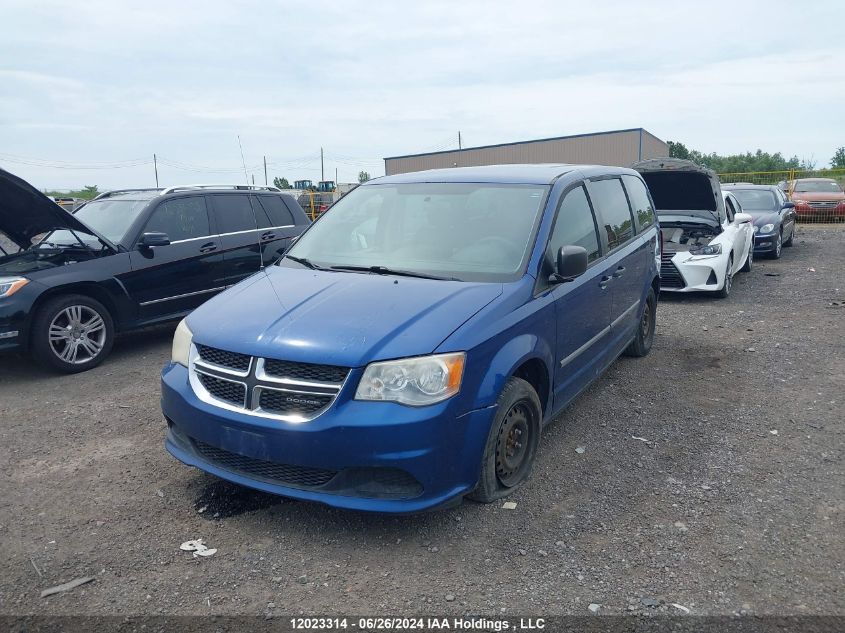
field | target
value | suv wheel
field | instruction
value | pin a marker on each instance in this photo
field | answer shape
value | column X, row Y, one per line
column 512, row 442
column 641, row 345
column 72, row 333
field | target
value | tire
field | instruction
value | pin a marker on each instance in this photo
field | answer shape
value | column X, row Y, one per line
column 641, row 345
column 749, row 260
column 725, row 291
column 791, row 239
column 507, row 462
column 82, row 334
column 775, row 254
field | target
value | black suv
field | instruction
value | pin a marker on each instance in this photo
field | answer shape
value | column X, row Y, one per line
column 125, row 260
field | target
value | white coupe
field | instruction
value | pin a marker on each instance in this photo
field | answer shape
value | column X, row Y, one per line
column 706, row 236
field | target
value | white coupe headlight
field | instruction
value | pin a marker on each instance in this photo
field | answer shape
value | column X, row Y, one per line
column 10, row 285
column 710, row 249
column 767, row 228
column 181, row 344
column 413, row 381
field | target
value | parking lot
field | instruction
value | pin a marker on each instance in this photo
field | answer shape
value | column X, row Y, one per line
column 711, row 477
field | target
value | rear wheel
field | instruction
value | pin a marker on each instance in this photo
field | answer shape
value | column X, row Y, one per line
column 72, row 333
column 641, row 345
column 512, row 442
column 725, row 292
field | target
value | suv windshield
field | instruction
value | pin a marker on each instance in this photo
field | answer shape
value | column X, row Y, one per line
column 817, row 186
column 110, row 218
column 756, row 199
column 471, row 232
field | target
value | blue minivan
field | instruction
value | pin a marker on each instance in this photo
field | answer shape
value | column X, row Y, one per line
column 409, row 347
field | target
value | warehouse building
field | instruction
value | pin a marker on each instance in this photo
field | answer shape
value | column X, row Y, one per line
column 619, row 147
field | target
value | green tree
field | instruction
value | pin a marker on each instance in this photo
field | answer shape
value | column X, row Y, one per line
column 89, row 191
column 281, row 183
column 363, row 176
column 838, row 160
column 677, row 150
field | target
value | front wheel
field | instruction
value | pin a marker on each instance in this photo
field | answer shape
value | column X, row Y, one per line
column 72, row 333
column 778, row 246
column 512, row 442
column 725, row 292
column 791, row 239
column 641, row 345
column 749, row 260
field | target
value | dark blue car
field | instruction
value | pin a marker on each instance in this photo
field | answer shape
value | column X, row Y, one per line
column 774, row 216
column 411, row 345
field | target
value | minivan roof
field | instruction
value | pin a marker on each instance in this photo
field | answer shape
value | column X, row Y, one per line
column 539, row 174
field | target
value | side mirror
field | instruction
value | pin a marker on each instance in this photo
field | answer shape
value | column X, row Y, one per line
column 571, row 262
column 743, row 218
column 148, row 240
column 788, row 205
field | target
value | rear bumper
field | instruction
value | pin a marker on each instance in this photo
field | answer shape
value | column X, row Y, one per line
column 371, row 456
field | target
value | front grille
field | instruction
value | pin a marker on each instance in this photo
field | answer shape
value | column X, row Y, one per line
column 823, row 204
column 670, row 276
column 271, row 388
column 305, row 371
column 222, row 389
column 293, row 403
column 232, row 360
column 287, row 474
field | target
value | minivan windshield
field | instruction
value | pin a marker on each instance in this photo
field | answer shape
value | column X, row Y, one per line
column 466, row 231
column 817, row 186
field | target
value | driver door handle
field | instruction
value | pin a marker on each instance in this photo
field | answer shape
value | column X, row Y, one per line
column 604, row 281
column 208, row 247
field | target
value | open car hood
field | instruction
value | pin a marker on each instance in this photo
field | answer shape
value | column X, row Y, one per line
column 682, row 188
column 26, row 212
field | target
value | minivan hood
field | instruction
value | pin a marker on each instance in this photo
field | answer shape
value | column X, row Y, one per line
column 337, row 318
column 26, row 212
column 681, row 187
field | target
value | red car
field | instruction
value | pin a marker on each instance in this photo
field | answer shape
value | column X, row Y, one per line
column 817, row 198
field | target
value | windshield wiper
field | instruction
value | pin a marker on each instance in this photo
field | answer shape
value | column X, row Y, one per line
column 384, row 270
column 304, row 261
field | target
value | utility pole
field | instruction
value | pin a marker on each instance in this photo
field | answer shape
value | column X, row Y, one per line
column 155, row 166
column 335, row 176
column 265, row 170
column 322, row 166
column 459, row 141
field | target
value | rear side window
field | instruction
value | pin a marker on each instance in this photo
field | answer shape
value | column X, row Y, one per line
column 574, row 226
column 180, row 219
column 638, row 197
column 275, row 208
column 609, row 198
column 234, row 213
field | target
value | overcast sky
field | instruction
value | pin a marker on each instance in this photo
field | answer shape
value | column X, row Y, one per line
column 104, row 84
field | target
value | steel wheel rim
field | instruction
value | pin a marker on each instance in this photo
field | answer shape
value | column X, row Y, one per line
column 778, row 244
column 513, row 445
column 645, row 325
column 77, row 334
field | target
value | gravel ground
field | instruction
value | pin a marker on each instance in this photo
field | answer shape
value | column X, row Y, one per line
column 731, row 501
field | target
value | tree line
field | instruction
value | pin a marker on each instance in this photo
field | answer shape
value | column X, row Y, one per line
column 756, row 161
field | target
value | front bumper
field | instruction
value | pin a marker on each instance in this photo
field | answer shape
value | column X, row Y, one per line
column 764, row 243
column 372, row 456
column 693, row 274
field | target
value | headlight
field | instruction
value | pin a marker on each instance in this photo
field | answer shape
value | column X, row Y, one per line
column 756, row 229
column 799, row 201
column 413, row 381
column 710, row 249
column 767, row 228
column 10, row 285
column 181, row 344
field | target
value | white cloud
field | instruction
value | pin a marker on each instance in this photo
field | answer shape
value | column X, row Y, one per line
column 102, row 81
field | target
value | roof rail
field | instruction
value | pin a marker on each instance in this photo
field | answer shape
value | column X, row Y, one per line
column 115, row 192
column 236, row 187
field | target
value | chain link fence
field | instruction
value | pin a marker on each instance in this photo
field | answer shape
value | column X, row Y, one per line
column 817, row 194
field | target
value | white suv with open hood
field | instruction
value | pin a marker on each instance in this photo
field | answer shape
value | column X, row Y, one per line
column 706, row 236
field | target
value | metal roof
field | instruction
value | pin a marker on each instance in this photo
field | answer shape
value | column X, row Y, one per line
column 537, row 140
column 535, row 174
